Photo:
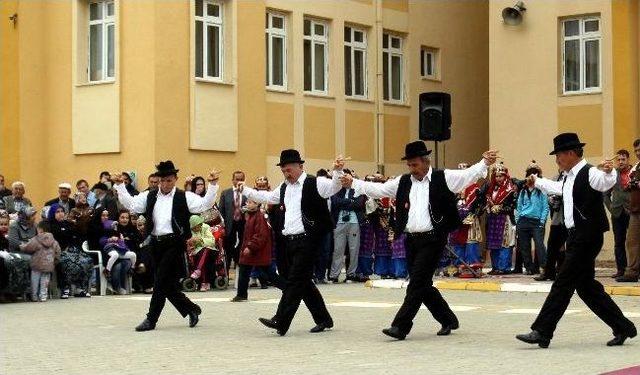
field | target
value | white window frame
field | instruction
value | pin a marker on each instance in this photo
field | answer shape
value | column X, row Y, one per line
column 433, row 54
column 206, row 22
column 393, row 52
column 106, row 22
column 357, row 46
column 583, row 37
column 323, row 40
column 272, row 33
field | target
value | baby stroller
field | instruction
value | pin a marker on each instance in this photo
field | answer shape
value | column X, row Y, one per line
column 219, row 273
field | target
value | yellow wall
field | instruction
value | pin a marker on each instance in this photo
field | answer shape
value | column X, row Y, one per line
column 9, row 98
column 359, row 135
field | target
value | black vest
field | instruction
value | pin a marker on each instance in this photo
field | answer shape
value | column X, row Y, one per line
column 588, row 205
column 316, row 217
column 179, row 213
column 442, row 204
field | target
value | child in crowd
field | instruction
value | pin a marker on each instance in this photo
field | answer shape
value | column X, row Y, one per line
column 114, row 246
column 200, row 247
column 46, row 252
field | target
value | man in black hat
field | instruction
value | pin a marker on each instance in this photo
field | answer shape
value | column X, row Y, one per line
column 304, row 219
column 104, row 200
column 584, row 216
column 426, row 211
column 167, row 211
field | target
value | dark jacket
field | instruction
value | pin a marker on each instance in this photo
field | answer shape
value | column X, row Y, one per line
column 617, row 199
column 9, row 203
column 19, row 235
column 588, row 207
column 258, row 239
column 72, row 203
column 63, row 233
column 339, row 203
column 226, row 207
column 107, row 203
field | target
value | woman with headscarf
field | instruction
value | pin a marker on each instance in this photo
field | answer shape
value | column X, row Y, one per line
column 23, row 229
column 501, row 201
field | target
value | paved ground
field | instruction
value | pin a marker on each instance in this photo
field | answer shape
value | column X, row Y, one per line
column 96, row 336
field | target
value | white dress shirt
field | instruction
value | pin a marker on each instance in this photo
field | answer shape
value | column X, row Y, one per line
column 598, row 180
column 293, row 199
column 419, row 219
column 164, row 205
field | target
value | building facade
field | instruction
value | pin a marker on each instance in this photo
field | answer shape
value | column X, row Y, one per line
column 119, row 85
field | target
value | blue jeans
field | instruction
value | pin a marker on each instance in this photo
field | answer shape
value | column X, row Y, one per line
column 322, row 260
column 119, row 273
column 529, row 229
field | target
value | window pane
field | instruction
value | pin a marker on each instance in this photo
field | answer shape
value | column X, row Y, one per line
column 347, row 34
column 358, row 36
column 277, row 22
column 385, row 75
column 318, row 66
column 358, row 58
column 396, row 68
column 110, row 9
column 307, row 65
column 111, row 51
column 572, row 65
column 385, row 40
column 591, row 26
column 213, row 52
column 95, row 11
column 422, row 63
column 318, row 29
column 277, row 75
column 266, row 20
column 347, row 70
column 592, row 61
column 268, row 58
column 198, row 7
column 95, row 52
column 213, row 10
column 395, row 42
column 199, row 48
column 429, row 64
column 571, row 28
column 307, row 27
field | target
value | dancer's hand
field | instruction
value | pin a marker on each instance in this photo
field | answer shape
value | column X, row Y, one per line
column 490, row 157
column 338, row 164
column 606, row 166
column 214, row 176
column 117, row 179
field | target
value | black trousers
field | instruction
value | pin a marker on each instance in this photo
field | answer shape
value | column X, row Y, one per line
column 267, row 273
column 423, row 256
column 555, row 257
column 620, row 225
column 577, row 273
column 301, row 257
column 168, row 257
column 232, row 243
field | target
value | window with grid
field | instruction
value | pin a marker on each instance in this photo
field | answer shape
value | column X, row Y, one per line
column 581, row 55
column 209, row 40
column 101, row 65
column 392, row 66
column 316, row 43
column 276, row 47
column 429, row 62
column 355, row 62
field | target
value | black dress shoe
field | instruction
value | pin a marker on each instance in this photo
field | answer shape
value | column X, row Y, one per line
column 146, row 325
column 321, row 327
column 271, row 323
column 617, row 274
column 394, row 332
column 619, row 338
column 627, row 279
column 542, row 277
column 194, row 316
column 534, row 337
column 446, row 329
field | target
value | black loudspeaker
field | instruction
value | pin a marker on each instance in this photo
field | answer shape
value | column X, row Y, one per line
column 434, row 116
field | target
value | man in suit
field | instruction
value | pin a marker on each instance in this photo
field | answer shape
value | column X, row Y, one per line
column 16, row 201
column 64, row 198
column 230, row 206
column 586, row 221
column 617, row 202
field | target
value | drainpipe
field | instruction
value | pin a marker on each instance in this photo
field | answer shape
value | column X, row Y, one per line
column 379, row 104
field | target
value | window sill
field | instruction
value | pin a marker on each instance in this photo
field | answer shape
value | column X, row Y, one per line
column 432, row 79
column 214, row 82
column 580, row 93
column 96, row 83
column 397, row 104
column 361, row 100
column 279, row 91
column 314, row 95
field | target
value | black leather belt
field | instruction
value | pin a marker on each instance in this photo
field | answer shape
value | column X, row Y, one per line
column 295, row 237
column 427, row 234
column 163, row 237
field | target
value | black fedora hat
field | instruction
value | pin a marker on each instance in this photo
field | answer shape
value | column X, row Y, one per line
column 566, row 141
column 289, row 156
column 166, row 168
column 415, row 149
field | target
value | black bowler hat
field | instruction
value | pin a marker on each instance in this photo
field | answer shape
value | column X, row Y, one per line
column 566, row 141
column 289, row 156
column 415, row 149
column 166, row 168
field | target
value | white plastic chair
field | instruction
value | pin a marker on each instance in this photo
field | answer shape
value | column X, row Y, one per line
column 100, row 267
